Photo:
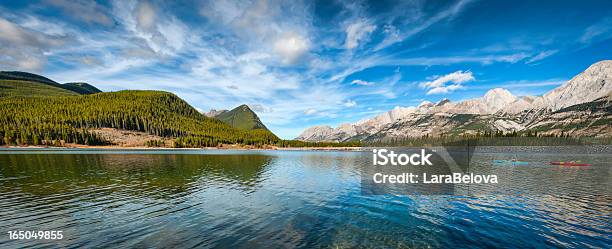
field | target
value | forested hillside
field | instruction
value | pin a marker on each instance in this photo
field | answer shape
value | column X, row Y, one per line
column 20, row 88
column 81, row 87
column 42, row 85
column 23, row 76
column 35, row 110
column 242, row 117
column 47, row 120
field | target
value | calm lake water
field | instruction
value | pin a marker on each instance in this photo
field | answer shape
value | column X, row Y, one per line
column 288, row 199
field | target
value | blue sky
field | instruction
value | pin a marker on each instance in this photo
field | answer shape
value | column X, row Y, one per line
column 299, row 64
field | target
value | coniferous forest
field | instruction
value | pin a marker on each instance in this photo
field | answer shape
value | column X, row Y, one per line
column 55, row 120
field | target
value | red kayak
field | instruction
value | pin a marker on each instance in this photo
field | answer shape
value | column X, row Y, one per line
column 570, row 163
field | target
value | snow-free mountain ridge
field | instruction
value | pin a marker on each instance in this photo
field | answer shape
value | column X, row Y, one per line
column 497, row 110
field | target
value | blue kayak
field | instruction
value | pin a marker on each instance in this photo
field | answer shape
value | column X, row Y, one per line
column 511, row 162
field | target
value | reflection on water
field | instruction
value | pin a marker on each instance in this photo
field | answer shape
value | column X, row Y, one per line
column 246, row 199
column 163, row 174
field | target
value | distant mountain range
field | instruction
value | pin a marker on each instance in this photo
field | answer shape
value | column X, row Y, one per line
column 580, row 107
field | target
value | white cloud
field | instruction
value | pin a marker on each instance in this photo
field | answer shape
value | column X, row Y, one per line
column 163, row 33
column 394, row 35
column 362, row 83
column 250, row 73
column 43, row 26
column 444, row 89
column 260, row 108
column 598, row 31
column 512, row 45
column 145, row 15
column 13, row 34
column 310, row 111
column 542, row 55
column 528, row 83
column 350, row 103
column 224, row 11
column 27, row 62
column 88, row 11
column 291, row 47
column 430, row 61
column 263, row 26
column 175, row 33
column 353, row 66
column 386, row 92
column 439, row 83
column 358, row 32
column 24, row 48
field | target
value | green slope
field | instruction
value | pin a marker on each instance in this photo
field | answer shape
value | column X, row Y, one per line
column 19, row 88
column 39, row 120
column 242, row 117
column 23, row 76
column 39, row 85
column 81, row 87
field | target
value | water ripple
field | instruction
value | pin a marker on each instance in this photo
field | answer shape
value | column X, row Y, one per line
column 277, row 199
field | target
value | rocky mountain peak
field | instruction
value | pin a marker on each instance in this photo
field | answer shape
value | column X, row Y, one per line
column 599, row 67
column 213, row 112
column 499, row 93
column 316, row 133
column 345, row 126
column 528, row 99
column 495, row 99
column 245, row 107
column 593, row 83
column 426, row 104
column 442, row 102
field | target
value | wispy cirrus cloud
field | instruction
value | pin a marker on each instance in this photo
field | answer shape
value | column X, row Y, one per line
column 481, row 59
column 399, row 34
column 362, row 82
column 350, row 103
column 533, row 83
column 541, row 55
column 597, row 31
column 163, row 33
column 87, row 11
column 377, row 61
column 358, row 32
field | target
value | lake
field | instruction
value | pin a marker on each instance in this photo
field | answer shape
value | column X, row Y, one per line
column 292, row 199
